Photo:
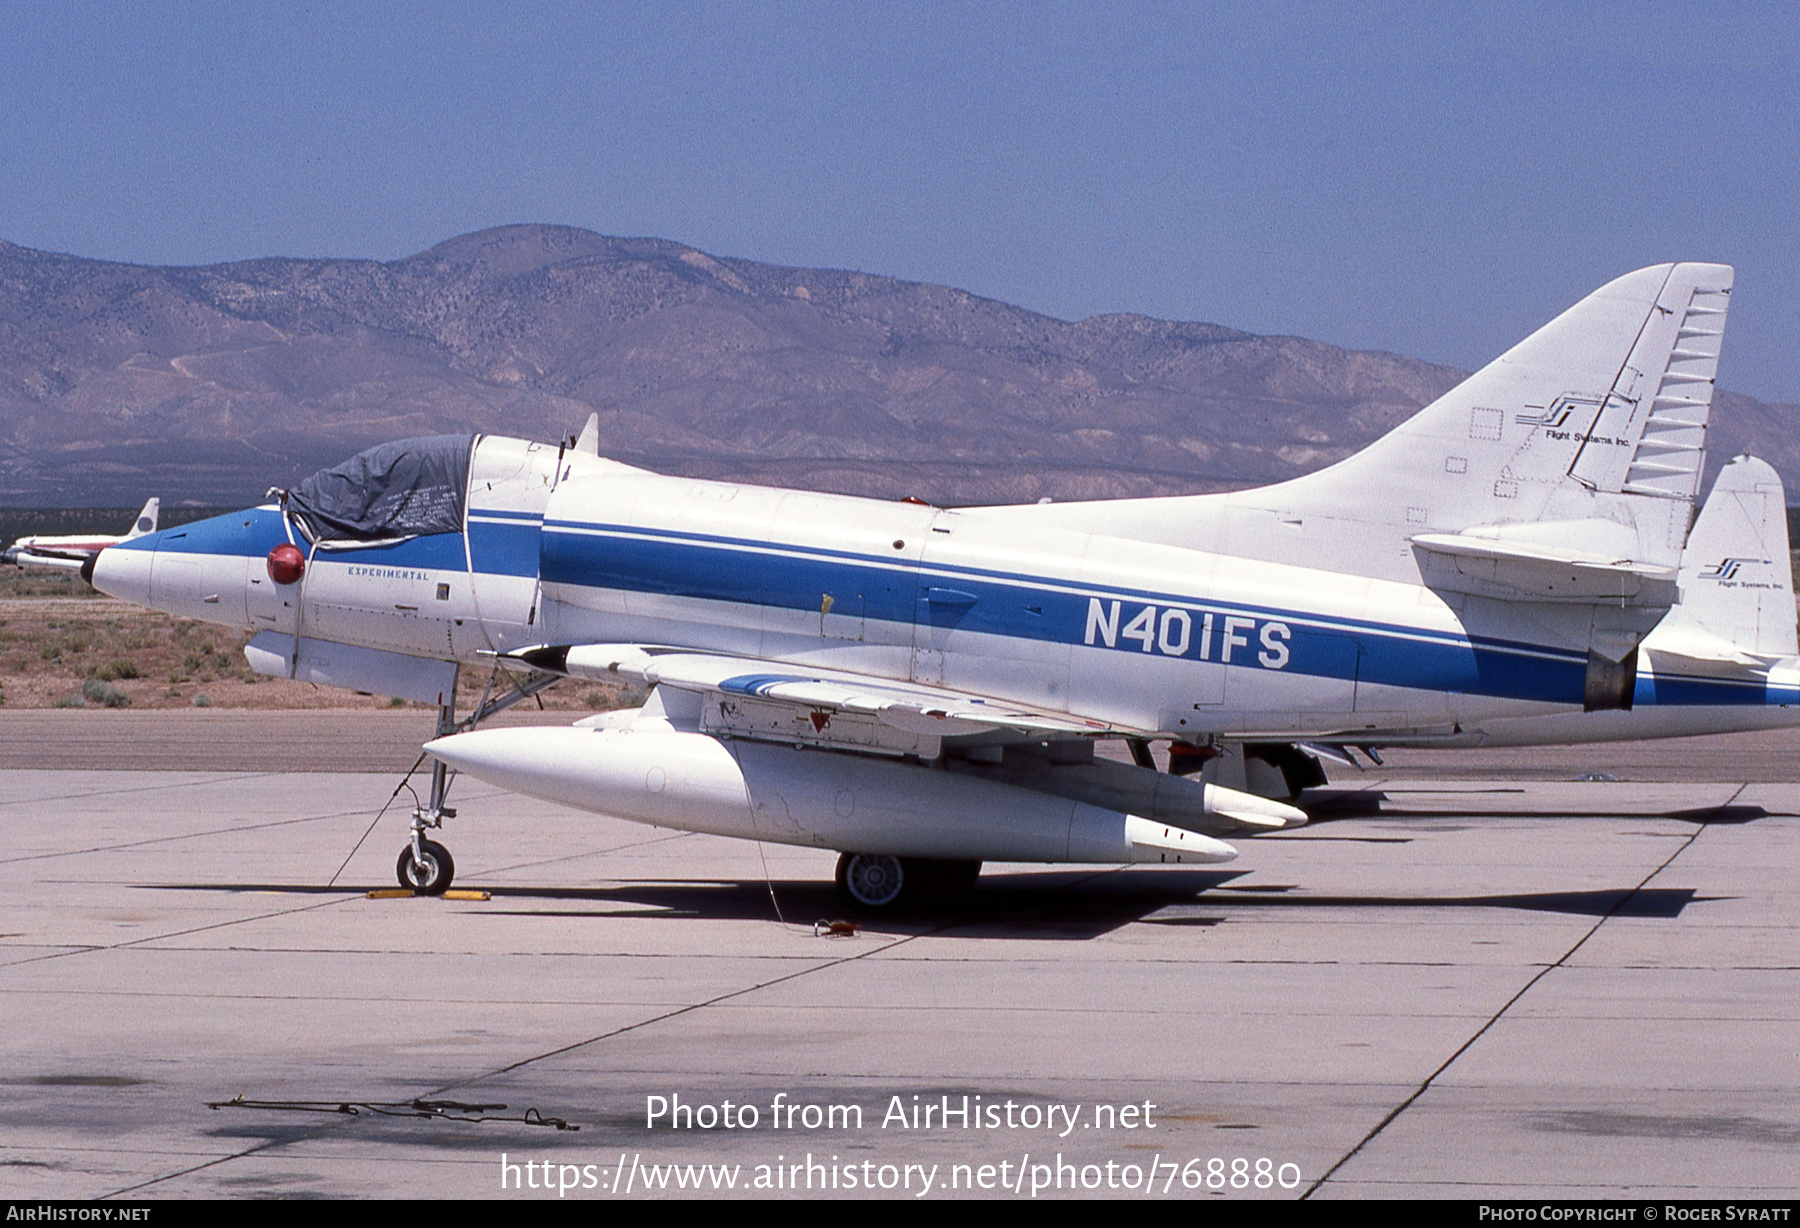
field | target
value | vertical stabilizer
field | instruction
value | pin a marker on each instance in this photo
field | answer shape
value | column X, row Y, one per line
column 589, row 439
column 146, row 520
column 1596, row 424
column 1582, row 443
column 1736, row 580
column 1546, row 497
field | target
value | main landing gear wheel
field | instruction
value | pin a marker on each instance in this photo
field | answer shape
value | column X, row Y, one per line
column 431, row 874
column 878, row 882
column 873, row 882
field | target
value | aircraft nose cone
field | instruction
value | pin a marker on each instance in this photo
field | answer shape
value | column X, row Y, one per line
column 124, row 572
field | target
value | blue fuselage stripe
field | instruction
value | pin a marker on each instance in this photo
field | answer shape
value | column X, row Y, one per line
column 1033, row 608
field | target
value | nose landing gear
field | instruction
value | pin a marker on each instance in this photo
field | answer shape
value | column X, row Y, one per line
column 425, row 865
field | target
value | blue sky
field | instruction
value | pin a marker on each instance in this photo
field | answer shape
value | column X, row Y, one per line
column 1435, row 180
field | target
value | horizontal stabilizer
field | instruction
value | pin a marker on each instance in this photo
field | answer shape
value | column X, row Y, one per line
column 1490, row 564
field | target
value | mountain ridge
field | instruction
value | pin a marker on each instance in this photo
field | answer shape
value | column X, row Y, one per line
column 209, row 383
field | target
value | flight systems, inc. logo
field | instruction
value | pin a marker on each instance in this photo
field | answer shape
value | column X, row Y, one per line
column 1727, row 569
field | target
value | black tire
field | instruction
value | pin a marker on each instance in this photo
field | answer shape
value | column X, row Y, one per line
column 431, row 878
column 873, row 882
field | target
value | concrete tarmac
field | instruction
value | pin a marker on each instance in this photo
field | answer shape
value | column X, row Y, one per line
column 1449, row 985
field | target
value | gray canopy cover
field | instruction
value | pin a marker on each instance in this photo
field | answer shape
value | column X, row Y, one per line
column 406, row 488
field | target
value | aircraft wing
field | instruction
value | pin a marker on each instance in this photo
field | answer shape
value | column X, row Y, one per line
column 778, row 700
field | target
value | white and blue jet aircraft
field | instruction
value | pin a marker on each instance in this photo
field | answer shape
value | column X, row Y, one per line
column 72, row 552
column 921, row 689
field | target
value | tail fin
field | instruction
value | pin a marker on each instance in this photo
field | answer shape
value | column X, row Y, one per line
column 589, row 439
column 146, row 521
column 1595, row 423
column 1582, row 444
column 1736, row 580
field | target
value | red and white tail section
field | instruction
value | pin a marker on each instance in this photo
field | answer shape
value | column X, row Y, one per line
column 146, row 520
column 74, row 552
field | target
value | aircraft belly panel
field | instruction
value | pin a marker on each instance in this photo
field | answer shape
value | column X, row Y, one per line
column 357, row 668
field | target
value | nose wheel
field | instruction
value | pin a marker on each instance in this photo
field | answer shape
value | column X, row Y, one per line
column 425, row 865
column 428, row 871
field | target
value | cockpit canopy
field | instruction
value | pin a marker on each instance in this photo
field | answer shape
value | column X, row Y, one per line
column 407, row 488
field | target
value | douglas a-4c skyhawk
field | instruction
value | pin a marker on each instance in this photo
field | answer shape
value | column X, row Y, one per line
column 921, row 689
